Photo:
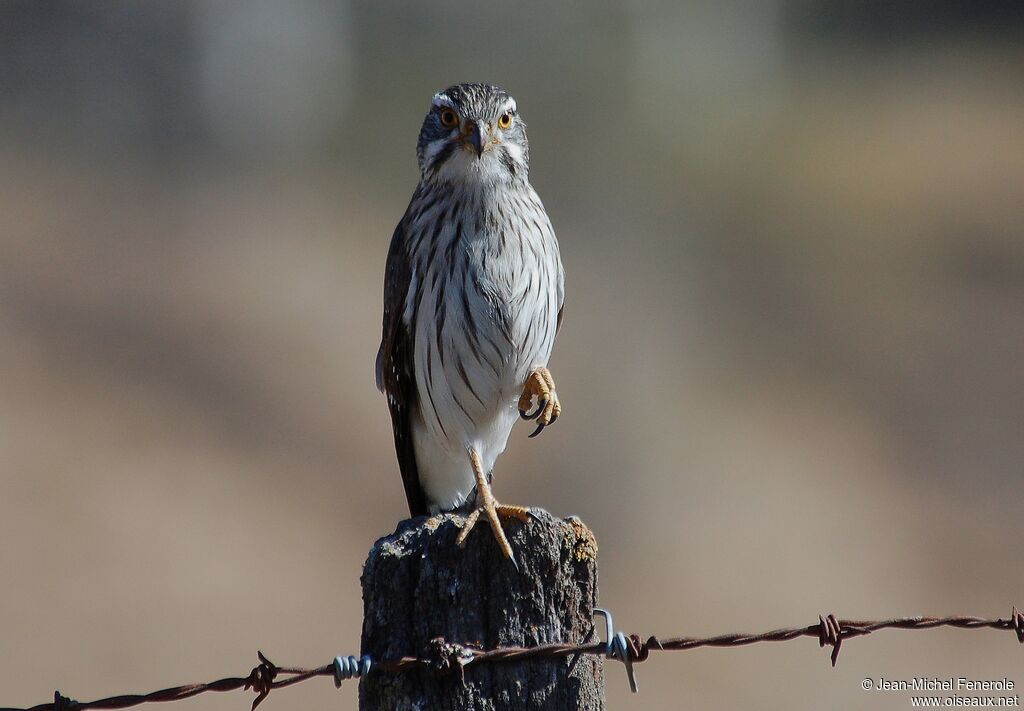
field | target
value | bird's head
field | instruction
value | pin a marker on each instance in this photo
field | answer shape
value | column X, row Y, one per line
column 473, row 133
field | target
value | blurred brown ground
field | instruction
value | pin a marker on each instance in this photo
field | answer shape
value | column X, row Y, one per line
column 791, row 362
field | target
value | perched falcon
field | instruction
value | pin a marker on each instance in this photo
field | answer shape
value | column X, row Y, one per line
column 473, row 293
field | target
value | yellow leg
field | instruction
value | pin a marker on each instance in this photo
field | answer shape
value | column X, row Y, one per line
column 492, row 509
column 541, row 385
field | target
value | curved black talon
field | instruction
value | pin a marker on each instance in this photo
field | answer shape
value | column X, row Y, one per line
column 554, row 416
column 540, row 428
column 540, row 408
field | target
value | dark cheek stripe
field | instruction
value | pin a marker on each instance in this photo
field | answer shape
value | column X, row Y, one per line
column 442, row 155
column 510, row 164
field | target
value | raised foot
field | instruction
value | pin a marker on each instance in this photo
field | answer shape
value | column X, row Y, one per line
column 540, row 385
column 494, row 511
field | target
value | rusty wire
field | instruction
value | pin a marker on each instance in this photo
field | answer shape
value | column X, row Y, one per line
column 443, row 657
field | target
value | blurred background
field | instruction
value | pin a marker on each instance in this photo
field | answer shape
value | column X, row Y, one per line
column 791, row 361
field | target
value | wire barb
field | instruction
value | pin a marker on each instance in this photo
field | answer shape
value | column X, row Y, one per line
column 261, row 679
column 831, row 633
column 445, row 657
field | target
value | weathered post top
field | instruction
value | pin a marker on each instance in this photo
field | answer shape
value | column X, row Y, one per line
column 418, row 585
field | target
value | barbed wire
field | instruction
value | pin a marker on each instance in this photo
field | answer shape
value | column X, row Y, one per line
column 443, row 657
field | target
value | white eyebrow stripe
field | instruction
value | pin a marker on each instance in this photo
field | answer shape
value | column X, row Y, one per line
column 509, row 105
column 443, row 100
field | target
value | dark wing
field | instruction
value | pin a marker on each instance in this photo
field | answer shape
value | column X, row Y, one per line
column 395, row 373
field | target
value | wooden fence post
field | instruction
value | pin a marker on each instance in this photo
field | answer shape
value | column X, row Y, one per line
column 418, row 585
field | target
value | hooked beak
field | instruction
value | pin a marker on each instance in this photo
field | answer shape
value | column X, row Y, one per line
column 477, row 137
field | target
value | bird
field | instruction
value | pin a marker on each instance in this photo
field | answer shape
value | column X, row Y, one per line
column 473, row 297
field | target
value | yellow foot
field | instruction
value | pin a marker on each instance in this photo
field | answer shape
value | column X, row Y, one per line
column 495, row 512
column 541, row 385
column 492, row 509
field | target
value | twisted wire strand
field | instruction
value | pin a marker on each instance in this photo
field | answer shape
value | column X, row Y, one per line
column 350, row 668
column 448, row 657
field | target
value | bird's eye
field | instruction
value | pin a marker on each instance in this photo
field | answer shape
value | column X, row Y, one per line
column 449, row 118
column 505, row 120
